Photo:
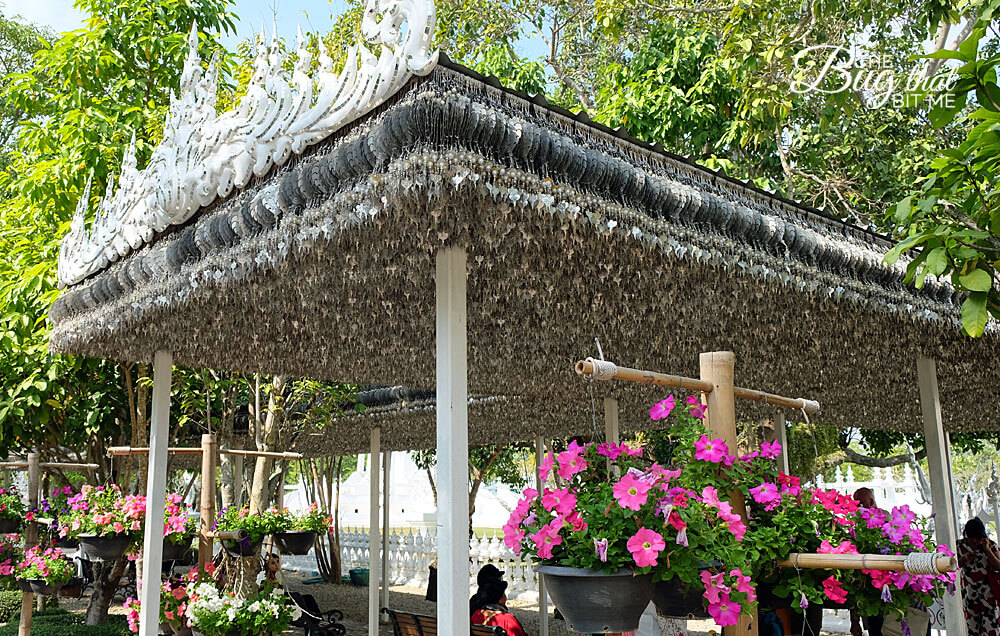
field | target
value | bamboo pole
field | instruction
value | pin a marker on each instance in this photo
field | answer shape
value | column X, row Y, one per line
column 227, row 535
column 116, row 451
column 47, row 465
column 718, row 369
column 30, row 541
column 885, row 562
column 585, row 367
column 208, row 459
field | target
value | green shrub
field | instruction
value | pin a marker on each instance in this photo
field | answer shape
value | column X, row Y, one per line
column 59, row 622
column 10, row 605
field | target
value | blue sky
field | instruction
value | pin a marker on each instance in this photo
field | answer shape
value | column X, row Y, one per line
column 311, row 14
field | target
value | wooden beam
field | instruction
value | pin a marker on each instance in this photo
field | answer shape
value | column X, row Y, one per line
column 586, row 367
column 939, row 471
column 209, row 443
column 156, row 495
column 452, row 442
column 781, row 430
column 116, row 451
column 884, row 562
column 719, row 368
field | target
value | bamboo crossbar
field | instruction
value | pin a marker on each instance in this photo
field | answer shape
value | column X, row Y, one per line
column 228, row 535
column 886, row 562
column 117, row 451
column 585, row 367
column 66, row 465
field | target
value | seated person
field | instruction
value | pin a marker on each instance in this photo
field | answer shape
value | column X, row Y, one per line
column 494, row 611
column 488, row 572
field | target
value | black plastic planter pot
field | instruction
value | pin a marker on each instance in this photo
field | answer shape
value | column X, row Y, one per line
column 593, row 602
column 24, row 585
column 9, row 525
column 674, row 599
column 243, row 548
column 40, row 587
column 298, row 543
column 175, row 552
column 107, row 548
column 180, row 631
column 65, row 543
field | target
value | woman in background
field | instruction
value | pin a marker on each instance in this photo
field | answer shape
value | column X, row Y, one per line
column 980, row 562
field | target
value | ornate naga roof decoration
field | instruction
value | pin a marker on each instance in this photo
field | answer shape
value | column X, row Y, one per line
column 205, row 156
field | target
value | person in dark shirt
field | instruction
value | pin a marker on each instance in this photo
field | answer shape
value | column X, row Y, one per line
column 494, row 612
column 488, row 572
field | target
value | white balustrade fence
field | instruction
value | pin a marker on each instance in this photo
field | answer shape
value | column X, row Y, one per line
column 411, row 553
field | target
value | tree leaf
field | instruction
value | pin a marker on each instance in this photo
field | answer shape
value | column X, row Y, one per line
column 977, row 280
column 974, row 314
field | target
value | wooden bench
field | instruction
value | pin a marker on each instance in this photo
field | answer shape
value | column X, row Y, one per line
column 407, row 624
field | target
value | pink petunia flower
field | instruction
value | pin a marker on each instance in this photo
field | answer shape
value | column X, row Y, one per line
column 661, row 410
column 601, row 549
column 770, row 450
column 545, row 466
column 571, row 463
column 560, row 500
column 834, row 590
column 725, row 612
column 645, row 545
column 697, row 408
column 713, row 451
column 545, row 539
column 630, row 492
column 767, row 494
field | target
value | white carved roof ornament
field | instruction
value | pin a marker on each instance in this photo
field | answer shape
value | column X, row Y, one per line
column 204, row 156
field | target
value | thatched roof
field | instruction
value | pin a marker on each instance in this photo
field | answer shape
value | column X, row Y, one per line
column 324, row 268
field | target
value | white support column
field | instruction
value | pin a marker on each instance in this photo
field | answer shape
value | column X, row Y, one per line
column 373, row 534
column 386, row 457
column 939, row 469
column 156, row 495
column 452, row 444
column 543, row 594
column 781, row 431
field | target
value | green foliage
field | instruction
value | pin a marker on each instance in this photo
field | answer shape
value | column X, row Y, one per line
column 257, row 526
column 10, row 604
column 950, row 222
column 18, row 44
column 59, row 622
column 11, row 506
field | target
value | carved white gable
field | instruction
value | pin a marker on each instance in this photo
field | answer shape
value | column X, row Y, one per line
column 204, row 156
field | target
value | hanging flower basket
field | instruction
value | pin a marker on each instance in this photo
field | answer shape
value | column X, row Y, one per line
column 104, row 548
column 67, row 543
column 674, row 599
column 594, row 602
column 9, row 525
column 176, row 552
column 246, row 547
column 42, row 588
column 23, row 585
column 297, row 543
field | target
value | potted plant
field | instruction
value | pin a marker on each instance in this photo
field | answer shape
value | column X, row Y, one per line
column 211, row 613
column 56, row 504
column 45, row 570
column 178, row 528
column 11, row 555
column 256, row 527
column 11, row 510
column 106, row 522
column 174, row 599
column 302, row 530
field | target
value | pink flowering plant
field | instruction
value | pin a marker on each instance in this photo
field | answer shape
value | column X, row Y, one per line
column 607, row 507
column 45, row 564
column 11, row 555
column 309, row 520
column 11, row 506
column 178, row 524
column 797, row 519
column 103, row 511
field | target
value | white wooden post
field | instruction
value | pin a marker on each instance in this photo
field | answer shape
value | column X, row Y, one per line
column 782, row 434
column 452, row 443
column 939, row 469
column 386, row 457
column 156, row 495
column 543, row 594
column 373, row 534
